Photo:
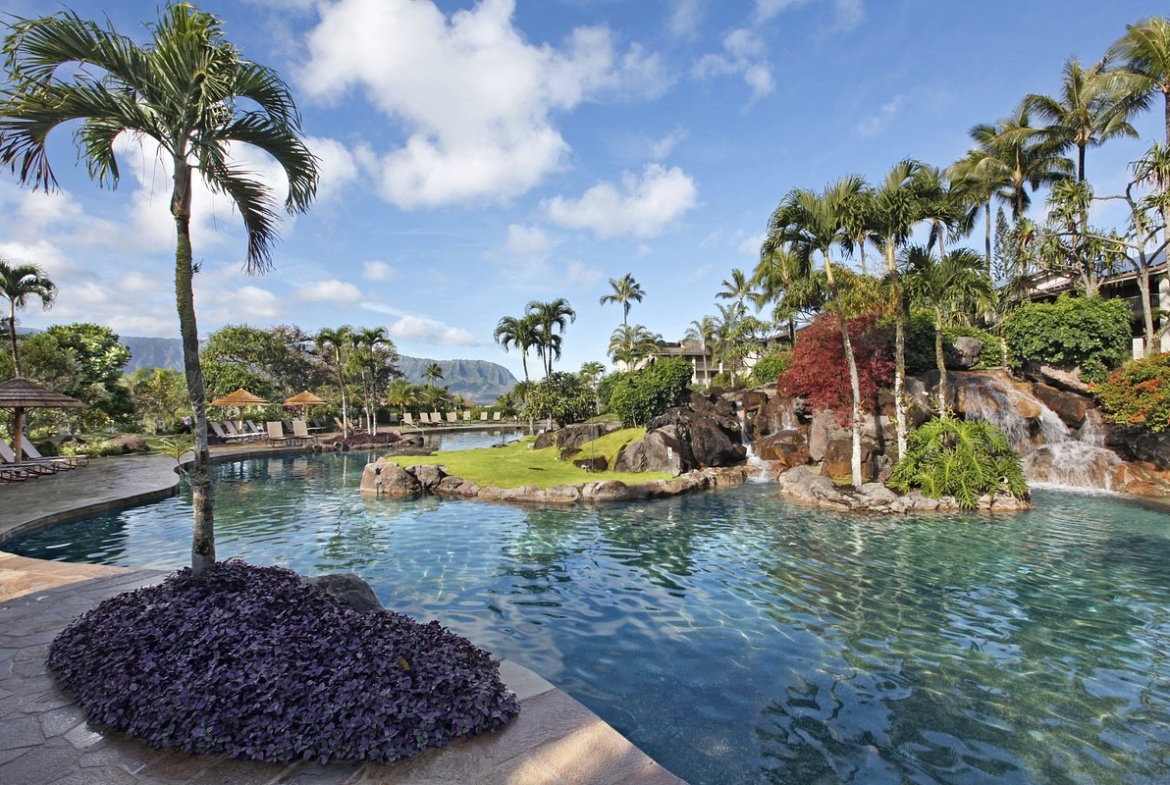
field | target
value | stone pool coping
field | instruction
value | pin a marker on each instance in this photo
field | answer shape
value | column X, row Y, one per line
column 44, row 738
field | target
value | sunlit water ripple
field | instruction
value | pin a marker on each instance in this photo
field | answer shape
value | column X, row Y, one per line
column 737, row 638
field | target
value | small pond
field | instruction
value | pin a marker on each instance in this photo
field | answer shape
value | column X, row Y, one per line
column 737, row 638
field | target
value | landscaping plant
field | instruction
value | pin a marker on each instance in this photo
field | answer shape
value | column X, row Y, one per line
column 960, row 458
column 253, row 662
column 1088, row 332
column 1138, row 394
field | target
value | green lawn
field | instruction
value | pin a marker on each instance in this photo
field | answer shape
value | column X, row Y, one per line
column 517, row 464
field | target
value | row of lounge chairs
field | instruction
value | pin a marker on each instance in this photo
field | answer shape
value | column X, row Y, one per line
column 230, row 432
column 453, row 418
column 32, row 464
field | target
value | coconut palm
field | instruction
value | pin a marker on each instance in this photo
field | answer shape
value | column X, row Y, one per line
column 18, row 284
column 811, row 223
column 741, row 287
column 332, row 345
column 549, row 316
column 432, row 374
column 1090, row 110
column 955, row 286
column 785, row 280
column 896, row 206
column 1144, row 55
column 976, row 180
column 365, row 341
column 190, row 92
column 630, row 344
column 519, row 332
column 625, row 289
column 400, row 394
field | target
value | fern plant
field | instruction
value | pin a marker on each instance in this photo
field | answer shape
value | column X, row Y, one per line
column 959, row 458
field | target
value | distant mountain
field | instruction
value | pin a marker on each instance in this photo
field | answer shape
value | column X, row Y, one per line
column 475, row 380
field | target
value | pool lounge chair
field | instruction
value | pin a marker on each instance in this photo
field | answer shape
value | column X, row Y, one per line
column 217, row 429
column 276, row 434
column 31, row 453
column 466, row 416
column 495, row 416
column 301, row 431
column 452, row 417
column 424, row 418
column 436, row 418
column 483, row 416
column 27, row 467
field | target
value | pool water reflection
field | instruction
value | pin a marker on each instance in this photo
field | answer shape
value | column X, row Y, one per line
column 737, row 638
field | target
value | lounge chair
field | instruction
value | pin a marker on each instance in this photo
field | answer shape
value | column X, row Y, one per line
column 495, row 416
column 483, row 416
column 408, row 419
column 466, row 416
column 217, row 429
column 31, row 452
column 436, row 418
column 276, row 434
column 27, row 467
column 301, row 431
column 452, row 417
column 424, row 418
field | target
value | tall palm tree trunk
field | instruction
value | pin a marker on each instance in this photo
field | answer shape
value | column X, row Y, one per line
column 940, row 359
column 854, row 379
column 12, row 336
column 899, row 353
column 987, row 234
column 202, row 500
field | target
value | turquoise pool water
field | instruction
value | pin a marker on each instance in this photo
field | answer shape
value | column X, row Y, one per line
column 737, row 638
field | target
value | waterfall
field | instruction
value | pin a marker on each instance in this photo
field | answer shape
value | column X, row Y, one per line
column 759, row 470
column 1051, row 454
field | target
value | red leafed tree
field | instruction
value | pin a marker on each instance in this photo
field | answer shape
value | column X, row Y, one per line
column 818, row 371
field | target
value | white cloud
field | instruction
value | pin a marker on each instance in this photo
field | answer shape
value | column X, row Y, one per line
column 744, row 54
column 331, row 290
column 527, row 240
column 848, row 14
column 750, row 245
column 876, row 123
column 337, row 166
column 685, row 18
column 422, row 330
column 476, row 100
column 641, row 207
column 662, row 148
column 377, row 270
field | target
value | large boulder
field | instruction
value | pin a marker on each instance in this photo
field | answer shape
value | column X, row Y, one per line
column 1069, row 407
column 385, row 478
column 428, row 475
column 660, row 451
column 963, row 354
column 707, row 436
column 838, row 460
column 126, row 443
column 786, row 449
column 349, row 588
column 572, row 437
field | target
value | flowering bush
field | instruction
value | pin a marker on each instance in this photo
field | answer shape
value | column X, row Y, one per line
column 252, row 662
column 818, row 373
column 1138, row 393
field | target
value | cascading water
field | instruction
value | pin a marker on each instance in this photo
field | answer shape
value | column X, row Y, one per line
column 759, row 470
column 1050, row 454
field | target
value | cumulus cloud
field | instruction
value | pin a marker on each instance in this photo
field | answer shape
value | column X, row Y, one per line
column 685, row 18
column 527, row 240
column 377, row 270
column 640, row 207
column 430, row 331
column 662, row 148
column 743, row 55
column 847, row 14
column 331, row 290
column 874, row 124
column 475, row 99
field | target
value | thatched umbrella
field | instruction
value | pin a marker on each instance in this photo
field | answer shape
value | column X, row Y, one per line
column 305, row 398
column 240, row 397
column 19, row 394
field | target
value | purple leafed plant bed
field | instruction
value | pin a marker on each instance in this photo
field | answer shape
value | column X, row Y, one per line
column 252, row 662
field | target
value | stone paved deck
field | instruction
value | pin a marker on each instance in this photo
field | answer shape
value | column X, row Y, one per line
column 44, row 740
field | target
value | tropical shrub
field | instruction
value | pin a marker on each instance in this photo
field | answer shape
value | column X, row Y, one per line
column 1090, row 332
column 769, row 368
column 959, row 458
column 254, row 663
column 565, row 397
column 818, row 371
column 1138, row 394
column 920, row 343
column 642, row 395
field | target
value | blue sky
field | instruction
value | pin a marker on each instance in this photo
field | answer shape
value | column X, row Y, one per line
column 480, row 155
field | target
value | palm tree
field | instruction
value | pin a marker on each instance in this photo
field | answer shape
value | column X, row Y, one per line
column 631, row 343
column 520, row 332
column 974, row 178
column 782, row 278
column 191, row 92
column 365, row 341
column 1144, row 54
column 741, row 287
column 624, row 290
column 332, row 345
column 703, row 331
column 401, row 394
column 547, row 316
column 809, row 223
column 432, row 374
column 896, row 206
column 955, row 286
column 18, row 283
column 1090, row 110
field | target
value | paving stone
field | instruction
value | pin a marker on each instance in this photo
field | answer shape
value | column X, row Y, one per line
column 59, row 721
column 20, row 732
column 83, row 737
column 39, row 766
column 179, row 766
column 98, row 776
column 316, row 774
column 238, row 772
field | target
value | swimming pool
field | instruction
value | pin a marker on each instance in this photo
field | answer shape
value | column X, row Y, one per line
column 737, row 638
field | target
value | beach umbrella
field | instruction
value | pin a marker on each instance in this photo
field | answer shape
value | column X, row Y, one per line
column 19, row 394
column 240, row 397
column 305, row 398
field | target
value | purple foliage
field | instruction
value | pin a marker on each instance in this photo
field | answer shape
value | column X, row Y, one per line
column 252, row 662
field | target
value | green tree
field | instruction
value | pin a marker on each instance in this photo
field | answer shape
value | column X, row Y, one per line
column 630, row 344
column 1144, row 57
column 18, row 284
column 159, row 397
column 375, row 356
column 550, row 316
column 809, row 223
column 519, row 332
column 625, row 289
column 192, row 93
column 640, row 396
column 562, row 397
column 949, row 288
column 332, row 345
column 1086, row 332
column 432, row 374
